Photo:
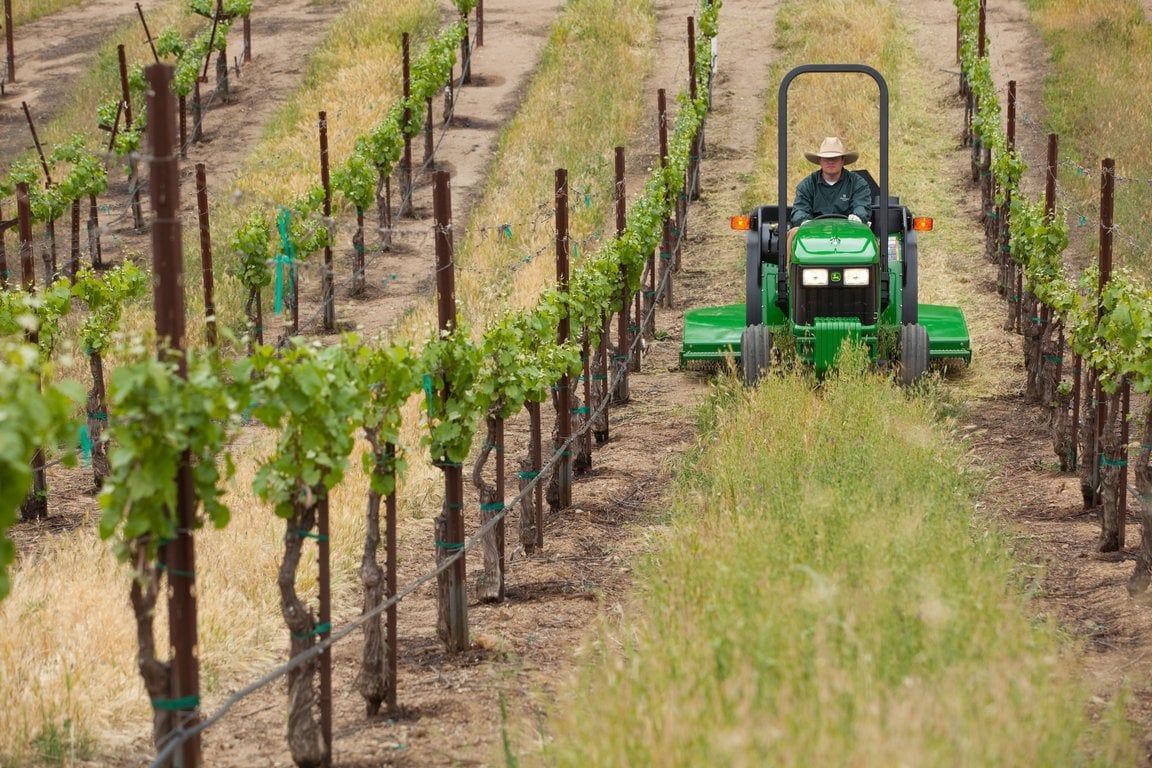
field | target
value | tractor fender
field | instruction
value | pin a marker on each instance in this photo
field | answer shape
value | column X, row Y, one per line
column 910, row 294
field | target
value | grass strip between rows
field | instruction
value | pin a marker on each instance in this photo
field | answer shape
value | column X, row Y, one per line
column 825, row 596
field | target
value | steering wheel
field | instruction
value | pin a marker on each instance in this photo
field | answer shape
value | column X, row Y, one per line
column 830, row 216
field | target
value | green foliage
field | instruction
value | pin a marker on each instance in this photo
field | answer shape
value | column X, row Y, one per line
column 86, row 174
column 34, row 411
column 312, row 393
column 521, row 361
column 40, row 311
column 455, row 402
column 388, row 375
column 251, row 240
column 231, row 8
column 356, row 179
column 105, row 297
column 465, row 7
column 155, row 416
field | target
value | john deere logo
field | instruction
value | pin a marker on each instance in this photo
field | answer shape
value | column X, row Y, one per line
column 836, row 277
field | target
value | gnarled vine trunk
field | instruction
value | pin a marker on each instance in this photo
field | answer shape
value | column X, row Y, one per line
column 490, row 581
column 1113, row 456
column 305, row 736
column 97, row 412
column 358, row 254
column 384, row 211
column 374, row 681
column 156, row 674
column 1142, row 576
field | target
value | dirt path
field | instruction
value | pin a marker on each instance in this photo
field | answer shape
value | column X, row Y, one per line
column 49, row 53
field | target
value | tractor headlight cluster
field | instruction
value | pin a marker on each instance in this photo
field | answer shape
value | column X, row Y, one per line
column 814, row 277
column 857, row 276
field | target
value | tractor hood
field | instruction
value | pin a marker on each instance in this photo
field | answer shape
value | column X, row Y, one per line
column 835, row 242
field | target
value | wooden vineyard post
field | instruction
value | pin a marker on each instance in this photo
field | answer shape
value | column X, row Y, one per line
column 205, row 253
column 621, row 361
column 453, row 588
column 405, row 207
column 664, row 283
column 178, row 555
column 563, row 401
column 982, row 37
column 247, row 38
column 428, row 133
column 133, row 171
column 328, row 291
column 479, row 23
column 1011, row 275
column 35, row 505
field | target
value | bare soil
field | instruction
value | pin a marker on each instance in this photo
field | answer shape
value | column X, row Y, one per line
column 524, row 647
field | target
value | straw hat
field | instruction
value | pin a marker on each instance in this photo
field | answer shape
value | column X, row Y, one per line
column 832, row 147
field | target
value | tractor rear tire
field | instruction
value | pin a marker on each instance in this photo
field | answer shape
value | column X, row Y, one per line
column 755, row 354
column 913, row 354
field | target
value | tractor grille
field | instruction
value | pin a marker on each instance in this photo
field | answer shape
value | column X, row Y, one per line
column 836, row 301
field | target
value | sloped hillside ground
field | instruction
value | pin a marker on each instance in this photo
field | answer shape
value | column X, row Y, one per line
column 522, row 647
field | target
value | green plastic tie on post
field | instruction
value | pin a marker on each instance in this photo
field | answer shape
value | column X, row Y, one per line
column 98, row 415
column 1083, row 220
column 665, row 255
column 1107, row 462
column 634, row 328
column 528, row 475
column 286, row 256
column 85, row 445
column 620, row 358
column 317, row 630
column 176, row 705
column 495, row 506
column 581, row 410
column 428, row 392
column 599, row 377
column 174, row 572
column 506, row 230
column 309, row 535
column 450, row 544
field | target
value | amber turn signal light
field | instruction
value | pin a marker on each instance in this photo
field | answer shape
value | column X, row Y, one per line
column 741, row 222
column 922, row 224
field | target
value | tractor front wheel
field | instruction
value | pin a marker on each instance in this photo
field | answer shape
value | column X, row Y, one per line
column 755, row 354
column 913, row 353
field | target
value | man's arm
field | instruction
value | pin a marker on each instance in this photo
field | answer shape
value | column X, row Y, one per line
column 803, row 204
column 861, row 198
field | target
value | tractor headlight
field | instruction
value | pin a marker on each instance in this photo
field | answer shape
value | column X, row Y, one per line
column 856, row 276
column 814, row 277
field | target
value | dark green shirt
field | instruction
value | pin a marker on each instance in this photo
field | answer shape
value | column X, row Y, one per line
column 851, row 194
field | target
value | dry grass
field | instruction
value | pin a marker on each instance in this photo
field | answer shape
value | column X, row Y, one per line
column 1099, row 100
column 24, row 12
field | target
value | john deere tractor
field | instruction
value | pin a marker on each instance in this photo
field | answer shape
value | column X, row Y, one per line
column 838, row 284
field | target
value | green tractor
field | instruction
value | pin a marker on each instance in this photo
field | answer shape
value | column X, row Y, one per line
column 839, row 284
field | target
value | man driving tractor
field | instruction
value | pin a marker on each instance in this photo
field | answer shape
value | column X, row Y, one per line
column 831, row 190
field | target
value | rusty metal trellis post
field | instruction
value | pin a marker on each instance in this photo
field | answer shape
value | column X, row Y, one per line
column 624, row 337
column 664, row 281
column 35, row 504
column 328, row 292
column 453, row 588
column 1107, row 201
column 133, row 171
column 405, row 208
column 11, row 74
column 205, row 253
column 564, row 402
column 168, row 258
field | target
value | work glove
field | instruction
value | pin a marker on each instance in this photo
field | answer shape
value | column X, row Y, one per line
column 855, row 218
